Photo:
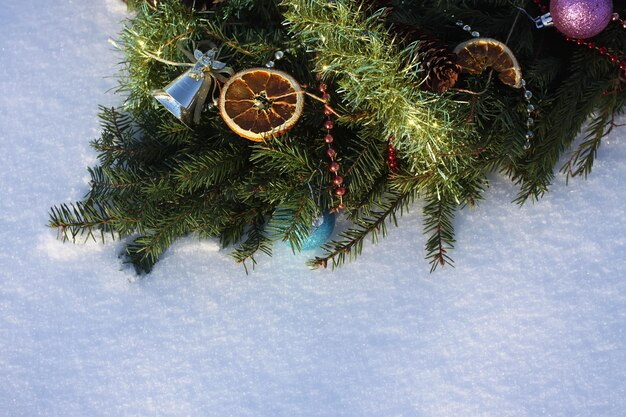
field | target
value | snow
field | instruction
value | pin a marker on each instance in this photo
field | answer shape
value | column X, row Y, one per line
column 531, row 322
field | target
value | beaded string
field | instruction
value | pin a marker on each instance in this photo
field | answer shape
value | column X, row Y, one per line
column 604, row 51
column 530, row 121
column 334, row 167
column 278, row 55
column 392, row 156
column 527, row 94
column 468, row 29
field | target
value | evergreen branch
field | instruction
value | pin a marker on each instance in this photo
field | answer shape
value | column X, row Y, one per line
column 438, row 214
column 255, row 241
column 360, row 54
column 81, row 218
column 291, row 221
column 581, row 161
column 163, row 227
column 161, row 180
column 283, row 158
column 128, row 140
column 351, row 244
column 368, row 162
column 216, row 33
column 576, row 97
column 208, row 169
column 113, row 184
column 237, row 223
column 370, row 198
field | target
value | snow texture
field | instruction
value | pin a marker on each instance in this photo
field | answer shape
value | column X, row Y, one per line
column 531, row 322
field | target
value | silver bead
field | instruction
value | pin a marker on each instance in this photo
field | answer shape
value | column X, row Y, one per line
column 270, row 64
column 530, row 108
column 530, row 122
column 528, row 95
column 475, row 34
column 523, row 83
column 527, row 145
column 530, row 135
column 279, row 55
column 467, row 28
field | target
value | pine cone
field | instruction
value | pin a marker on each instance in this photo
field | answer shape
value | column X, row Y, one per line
column 439, row 64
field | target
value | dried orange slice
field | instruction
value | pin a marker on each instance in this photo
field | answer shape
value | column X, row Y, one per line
column 258, row 103
column 476, row 55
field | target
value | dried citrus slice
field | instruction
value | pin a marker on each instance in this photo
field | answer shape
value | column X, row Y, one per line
column 258, row 103
column 476, row 55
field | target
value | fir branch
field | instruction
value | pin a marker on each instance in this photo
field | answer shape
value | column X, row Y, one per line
column 362, row 57
column 110, row 184
column 576, row 97
column 126, row 140
column 370, row 198
column 194, row 172
column 351, row 241
column 291, row 221
column 581, row 161
column 285, row 157
column 163, row 227
column 367, row 162
column 161, row 180
column 82, row 219
column 438, row 214
column 256, row 241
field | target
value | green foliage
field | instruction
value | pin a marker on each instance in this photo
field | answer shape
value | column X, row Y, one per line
column 374, row 223
column 158, row 179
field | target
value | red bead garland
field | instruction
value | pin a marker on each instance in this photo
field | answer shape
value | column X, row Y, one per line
column 392, row 157
column 603, row 50
column 334, row 167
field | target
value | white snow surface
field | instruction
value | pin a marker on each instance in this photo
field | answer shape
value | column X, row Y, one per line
column 531, row 322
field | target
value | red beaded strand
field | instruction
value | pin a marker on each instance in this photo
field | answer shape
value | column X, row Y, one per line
column 334, row 167
column 392, row 157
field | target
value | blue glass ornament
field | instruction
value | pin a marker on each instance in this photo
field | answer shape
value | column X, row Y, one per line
column 321, row 229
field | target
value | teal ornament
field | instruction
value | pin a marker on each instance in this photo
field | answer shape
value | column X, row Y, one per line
column 321, row 229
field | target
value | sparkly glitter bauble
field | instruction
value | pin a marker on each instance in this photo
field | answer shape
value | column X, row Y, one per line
column 581, row 19
column 321, row 229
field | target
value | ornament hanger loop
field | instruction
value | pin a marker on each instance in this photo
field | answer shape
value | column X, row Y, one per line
column 540, row 22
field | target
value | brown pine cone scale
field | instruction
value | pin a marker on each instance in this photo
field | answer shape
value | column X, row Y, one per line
column 438, row 64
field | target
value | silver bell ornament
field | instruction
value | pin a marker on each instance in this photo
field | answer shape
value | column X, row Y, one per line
column 188, row 93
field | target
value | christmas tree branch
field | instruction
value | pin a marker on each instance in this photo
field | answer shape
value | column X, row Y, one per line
column 351, row 241
column 256, row 241
column 361, row 56
column 438, row 214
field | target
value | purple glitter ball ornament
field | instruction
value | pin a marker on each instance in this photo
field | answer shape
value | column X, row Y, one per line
column 581, row 19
